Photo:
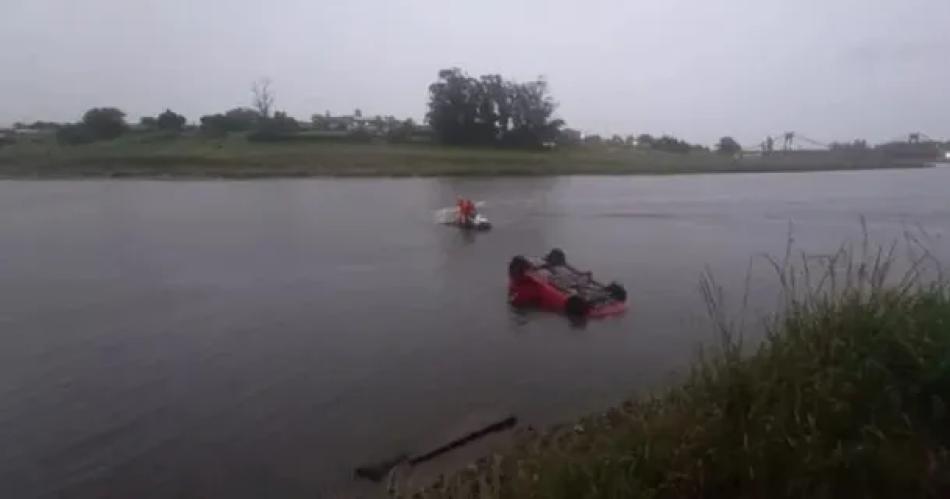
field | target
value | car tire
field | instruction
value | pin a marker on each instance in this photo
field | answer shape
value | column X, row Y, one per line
column 556, row 257
column 518, row 266
column 576, row 306
column 617, row 292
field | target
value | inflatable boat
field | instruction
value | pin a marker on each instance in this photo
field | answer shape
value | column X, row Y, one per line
column 478, row 222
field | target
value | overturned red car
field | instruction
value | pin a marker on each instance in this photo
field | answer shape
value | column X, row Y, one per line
column 551, row 284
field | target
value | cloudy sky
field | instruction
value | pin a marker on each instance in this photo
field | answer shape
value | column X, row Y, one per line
column 828, row 69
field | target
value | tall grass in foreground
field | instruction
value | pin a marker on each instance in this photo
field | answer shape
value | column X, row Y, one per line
column 845, row 397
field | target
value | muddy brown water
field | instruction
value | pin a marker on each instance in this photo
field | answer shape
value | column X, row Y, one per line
column 248, row 339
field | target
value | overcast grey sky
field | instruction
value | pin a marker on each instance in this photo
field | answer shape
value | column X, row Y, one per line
column 829, row 69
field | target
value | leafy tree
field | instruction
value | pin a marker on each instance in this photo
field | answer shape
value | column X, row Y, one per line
column 645, row 141
column 170, row 121
column 278, row 127
column 728, row 146
column 104, row 123
column 242, row 118
column 497, row 106
column 490, row 110
column 532, row 108
column 239, row 119
column 615, row 140
column 453, row 107
column 669, row 143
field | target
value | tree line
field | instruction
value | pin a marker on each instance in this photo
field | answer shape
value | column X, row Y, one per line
column 107, row 123
column 490, row 110
column 666, row 143
column 462, row 110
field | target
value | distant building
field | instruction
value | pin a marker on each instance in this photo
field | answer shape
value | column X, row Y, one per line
column 34, row 132
column 35, row 129
column 331, row 123
column 376, row 125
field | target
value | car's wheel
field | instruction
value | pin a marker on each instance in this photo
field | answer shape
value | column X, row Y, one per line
column 556, row 257
column 518, row 266
column 576, row 306
column 617, row 292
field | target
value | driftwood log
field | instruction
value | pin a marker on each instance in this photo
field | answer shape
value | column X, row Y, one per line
column 376, row 472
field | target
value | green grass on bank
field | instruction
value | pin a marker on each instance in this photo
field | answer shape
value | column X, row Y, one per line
column 158, row 155
column 846, row 397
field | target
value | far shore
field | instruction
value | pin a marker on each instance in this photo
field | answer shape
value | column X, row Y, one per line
column 156, row 156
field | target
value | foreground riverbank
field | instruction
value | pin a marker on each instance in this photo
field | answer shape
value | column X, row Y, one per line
column 846, row 397
column 155, row 155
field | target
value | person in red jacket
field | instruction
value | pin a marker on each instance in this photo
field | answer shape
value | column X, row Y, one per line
column 466, row 211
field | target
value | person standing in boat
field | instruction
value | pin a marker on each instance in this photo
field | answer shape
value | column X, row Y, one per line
column 466, row 211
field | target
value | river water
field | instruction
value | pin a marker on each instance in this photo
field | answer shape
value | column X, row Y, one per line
column 249, row 339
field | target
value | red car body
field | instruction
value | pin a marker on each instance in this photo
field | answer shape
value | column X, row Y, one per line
column 552, row 287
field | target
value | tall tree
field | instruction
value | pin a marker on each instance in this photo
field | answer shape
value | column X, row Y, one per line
column 453, row 106
column 496, row 106
column 533, row 107
column 263, row 99
column 490, row 110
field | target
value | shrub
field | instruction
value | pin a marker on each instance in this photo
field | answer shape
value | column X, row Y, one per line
column 104, row 123
column 74, row 135
column 170, row 121
column 728, row 146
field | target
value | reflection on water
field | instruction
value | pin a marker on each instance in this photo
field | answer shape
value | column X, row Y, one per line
column 260, row 338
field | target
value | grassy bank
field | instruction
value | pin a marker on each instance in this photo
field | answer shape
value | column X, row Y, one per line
column 155, row 155
column 846, row 397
